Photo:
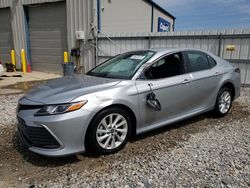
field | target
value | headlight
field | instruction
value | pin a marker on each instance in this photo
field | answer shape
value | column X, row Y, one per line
column 59, row 108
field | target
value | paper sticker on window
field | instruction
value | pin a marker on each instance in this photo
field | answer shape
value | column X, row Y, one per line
column 137, row 57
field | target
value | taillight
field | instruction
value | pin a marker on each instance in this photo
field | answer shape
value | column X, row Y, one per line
column 237, row 70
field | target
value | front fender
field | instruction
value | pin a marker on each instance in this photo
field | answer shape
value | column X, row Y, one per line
column 132, row 106
column 124, row 94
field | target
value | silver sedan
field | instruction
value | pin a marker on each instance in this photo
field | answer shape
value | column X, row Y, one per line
column 131, row 93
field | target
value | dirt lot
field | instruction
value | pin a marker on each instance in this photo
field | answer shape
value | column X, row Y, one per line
column 200, row 152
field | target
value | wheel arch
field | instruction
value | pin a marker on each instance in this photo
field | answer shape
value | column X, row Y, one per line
column 122, row 106
column 230, row 86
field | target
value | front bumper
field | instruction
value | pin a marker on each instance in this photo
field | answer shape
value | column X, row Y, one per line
column 54, row 135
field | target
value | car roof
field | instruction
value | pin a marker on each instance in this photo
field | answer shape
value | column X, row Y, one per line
column 156, row 50
column 168, row 50
column 162, row 51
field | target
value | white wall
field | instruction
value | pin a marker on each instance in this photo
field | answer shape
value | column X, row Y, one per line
column 121, row 16
column 125, row 16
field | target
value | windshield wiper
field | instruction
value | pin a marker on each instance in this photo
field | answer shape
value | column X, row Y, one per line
column 107, row 75
column 97, row 74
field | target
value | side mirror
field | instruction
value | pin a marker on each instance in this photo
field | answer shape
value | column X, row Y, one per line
column 153, row 102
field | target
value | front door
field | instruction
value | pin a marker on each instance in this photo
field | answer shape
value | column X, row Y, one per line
column 171, row 86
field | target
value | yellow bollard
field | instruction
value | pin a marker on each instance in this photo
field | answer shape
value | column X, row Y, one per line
column 24, row 64
column 13, row 58
column 65, row 57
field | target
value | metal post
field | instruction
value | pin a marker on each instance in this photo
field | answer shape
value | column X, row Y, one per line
column 24, row 64
column 152, row 18
column 96, row 51
column 65, row 57
column 149, row 41
column 13, row 58
column 219, row 47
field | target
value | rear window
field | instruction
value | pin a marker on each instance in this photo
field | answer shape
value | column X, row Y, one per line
column 198, row 61
column 211, row 61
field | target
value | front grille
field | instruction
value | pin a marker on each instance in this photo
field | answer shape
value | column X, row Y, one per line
column 28, row 107
column 37, row 136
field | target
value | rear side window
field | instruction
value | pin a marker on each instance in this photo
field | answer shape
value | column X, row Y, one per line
column 211, row 61
column 198, row 61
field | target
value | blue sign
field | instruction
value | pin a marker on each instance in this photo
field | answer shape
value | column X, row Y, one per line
column 163, row 25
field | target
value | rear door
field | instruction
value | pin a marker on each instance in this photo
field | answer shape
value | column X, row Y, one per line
column 167, row 79
column 205, row 79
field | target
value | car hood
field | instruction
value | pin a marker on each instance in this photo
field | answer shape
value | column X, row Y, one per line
column 65, row 89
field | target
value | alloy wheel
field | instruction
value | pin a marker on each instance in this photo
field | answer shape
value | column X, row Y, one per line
column 112, row 131
column 225, row 102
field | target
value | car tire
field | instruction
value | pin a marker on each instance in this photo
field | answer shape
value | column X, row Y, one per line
column 223, row 102
column 107, row 136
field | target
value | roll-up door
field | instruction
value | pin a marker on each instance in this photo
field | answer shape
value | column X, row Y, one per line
column 6, row 42
column 48, row 36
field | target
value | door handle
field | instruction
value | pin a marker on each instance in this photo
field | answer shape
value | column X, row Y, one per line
column 217, row 73
column 186, row 81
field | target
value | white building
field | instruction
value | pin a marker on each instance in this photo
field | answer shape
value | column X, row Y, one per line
column 115, row 16
column 47, row 28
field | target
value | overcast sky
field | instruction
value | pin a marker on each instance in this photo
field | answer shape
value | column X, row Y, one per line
column 208, row 14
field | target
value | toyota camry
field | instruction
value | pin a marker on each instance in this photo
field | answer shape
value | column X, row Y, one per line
column 129, row 94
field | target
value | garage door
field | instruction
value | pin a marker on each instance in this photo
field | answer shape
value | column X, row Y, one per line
column 48, row 36
column 6, row 42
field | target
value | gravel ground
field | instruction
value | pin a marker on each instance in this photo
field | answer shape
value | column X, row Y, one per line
column 200, row 152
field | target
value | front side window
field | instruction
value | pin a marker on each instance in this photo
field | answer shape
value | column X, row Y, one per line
column 122, row 66
column 198, row 61
column 168, row 66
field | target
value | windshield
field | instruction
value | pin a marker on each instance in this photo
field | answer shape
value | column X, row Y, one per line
column 122, row 66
